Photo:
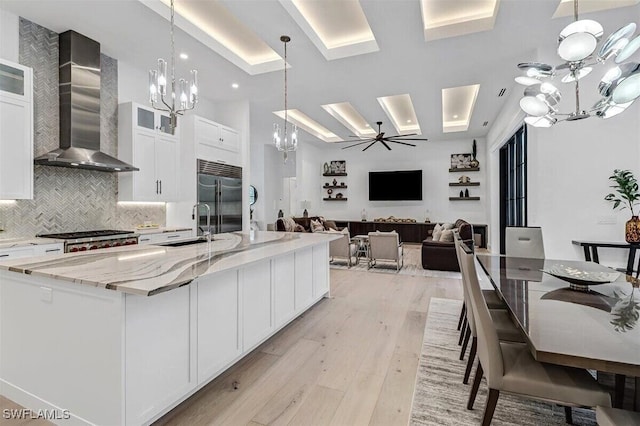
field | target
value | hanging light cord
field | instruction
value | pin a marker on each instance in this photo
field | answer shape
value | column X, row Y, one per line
column 173, row 62
column 285, row 92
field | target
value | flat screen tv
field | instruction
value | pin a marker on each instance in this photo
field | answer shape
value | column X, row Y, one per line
column 397, row 185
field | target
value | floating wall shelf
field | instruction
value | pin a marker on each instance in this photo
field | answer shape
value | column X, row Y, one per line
column 470, row 169
column 464, row 184
column 334, row 199
column 334, row 187
column 334, row 174
column 464, row 198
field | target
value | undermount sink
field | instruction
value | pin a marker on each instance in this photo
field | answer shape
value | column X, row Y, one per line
column 184, row 243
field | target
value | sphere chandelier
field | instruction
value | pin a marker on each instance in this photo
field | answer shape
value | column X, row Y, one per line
column 578, row 47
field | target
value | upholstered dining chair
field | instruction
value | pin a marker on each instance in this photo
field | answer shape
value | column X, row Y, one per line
column 510, row 367
column 606, row 416
column 523, row 241
column 343, row 248
column 506, row 329
column 490, row 296
column 385, row 246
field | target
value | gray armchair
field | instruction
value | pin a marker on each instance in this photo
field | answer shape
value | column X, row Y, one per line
column 385, row 246
column 343, row 248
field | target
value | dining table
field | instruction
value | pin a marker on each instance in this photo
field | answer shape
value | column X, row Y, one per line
column 573, row 313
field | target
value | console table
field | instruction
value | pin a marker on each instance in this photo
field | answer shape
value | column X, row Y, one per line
column 409, row 232
column 591, row 251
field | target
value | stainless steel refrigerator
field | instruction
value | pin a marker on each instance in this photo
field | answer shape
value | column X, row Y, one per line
column 220, row 187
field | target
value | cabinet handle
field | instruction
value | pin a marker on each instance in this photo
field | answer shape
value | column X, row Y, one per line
column 4, row 255
column 161, row 187
column 172, row 236
column 157, row 186
column 145, row 239
column 51, row 250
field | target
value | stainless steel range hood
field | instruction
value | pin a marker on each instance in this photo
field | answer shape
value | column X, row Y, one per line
column 80, row 109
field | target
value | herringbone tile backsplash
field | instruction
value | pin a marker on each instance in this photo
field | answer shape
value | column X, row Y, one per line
column 68, row 199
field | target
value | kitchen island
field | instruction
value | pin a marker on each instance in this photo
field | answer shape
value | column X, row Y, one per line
column 122, row 335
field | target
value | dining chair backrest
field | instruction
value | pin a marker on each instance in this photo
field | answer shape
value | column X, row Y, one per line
column 523, row 241
column 384, row 245
column 489, row 351
column 460, row 251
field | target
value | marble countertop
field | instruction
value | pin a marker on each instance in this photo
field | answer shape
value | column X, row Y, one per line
column 150, row 269
column 7, row 243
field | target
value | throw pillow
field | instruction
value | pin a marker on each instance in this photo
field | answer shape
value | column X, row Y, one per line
column 298, row 228
column 316, row 226
column 447, row 226
column 330, row 224
column 437, row 232
column 447, row 236
column 289, row 224
column 333, row 231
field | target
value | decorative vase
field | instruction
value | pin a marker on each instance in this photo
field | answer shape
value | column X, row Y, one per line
column 461, row 194
column 326, row 168
column 335, row 182
column 474, row 151
column 280, row 214
column 632, row 230
column 363, row 215
column 466, row 193
column 305, row 213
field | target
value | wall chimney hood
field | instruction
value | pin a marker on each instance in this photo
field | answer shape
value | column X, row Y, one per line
column 80, row 109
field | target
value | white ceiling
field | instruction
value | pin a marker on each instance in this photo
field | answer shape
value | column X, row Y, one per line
column 404, row 64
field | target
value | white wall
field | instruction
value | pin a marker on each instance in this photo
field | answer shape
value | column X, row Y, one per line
column 432, row 157
column 9, row 36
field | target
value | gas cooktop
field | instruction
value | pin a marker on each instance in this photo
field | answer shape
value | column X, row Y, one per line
column 85, row 234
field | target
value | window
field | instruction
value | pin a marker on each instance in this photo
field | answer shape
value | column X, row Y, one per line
column 513, row 183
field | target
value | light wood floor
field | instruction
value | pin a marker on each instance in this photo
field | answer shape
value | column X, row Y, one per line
column 350, row 360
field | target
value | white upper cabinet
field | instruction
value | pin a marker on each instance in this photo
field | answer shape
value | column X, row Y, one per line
column 16, row 131
column 145, row 140
column 215, row 142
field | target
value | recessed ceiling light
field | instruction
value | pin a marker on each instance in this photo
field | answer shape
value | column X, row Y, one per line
column 399, row 109
column 442, row 19
column 310, row 126
column 338, row 29
column 461, row 99
column 235, row 85
column 184, row 56
column 213, row 24
column 350, row 118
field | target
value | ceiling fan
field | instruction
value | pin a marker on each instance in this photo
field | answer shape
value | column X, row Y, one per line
column 380, row 137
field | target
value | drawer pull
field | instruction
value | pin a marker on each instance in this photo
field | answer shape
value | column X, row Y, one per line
column 145, row 239
column 4, row 255
column 51, row 250
column 173, row 236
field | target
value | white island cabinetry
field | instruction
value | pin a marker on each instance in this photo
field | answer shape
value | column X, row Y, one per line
column 130, row 358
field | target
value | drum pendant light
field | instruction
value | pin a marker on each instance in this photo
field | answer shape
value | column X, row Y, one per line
column 578, row 47
column 289, row 141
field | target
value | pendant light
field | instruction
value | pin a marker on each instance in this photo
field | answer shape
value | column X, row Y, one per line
column 287, row 142
column 577, row 46
column 181, row 98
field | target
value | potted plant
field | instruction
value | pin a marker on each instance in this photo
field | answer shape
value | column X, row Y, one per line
column 627, row 195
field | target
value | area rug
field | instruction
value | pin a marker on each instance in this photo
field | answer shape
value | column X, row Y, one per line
column 412, row 266
column 440, row 397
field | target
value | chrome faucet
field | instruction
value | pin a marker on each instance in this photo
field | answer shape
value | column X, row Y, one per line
column 195, row 209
